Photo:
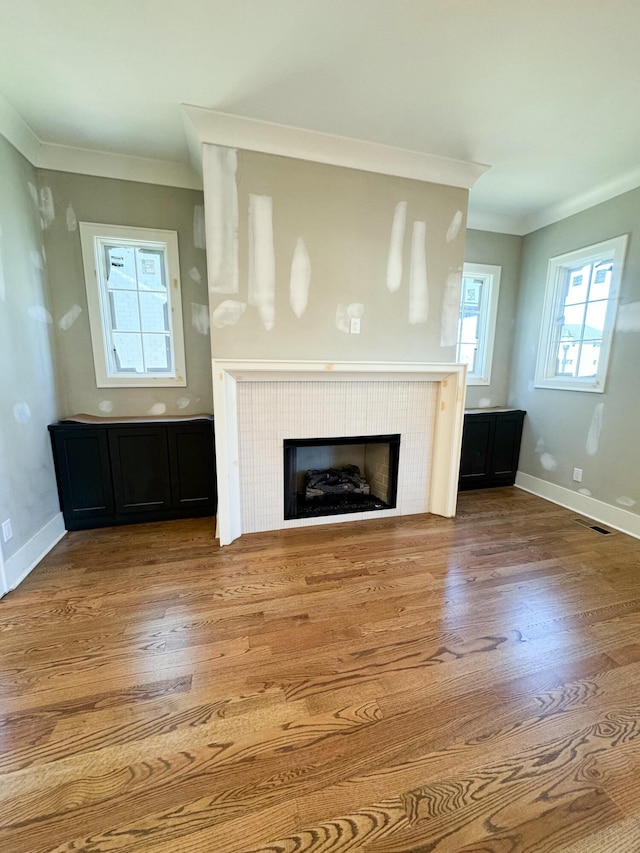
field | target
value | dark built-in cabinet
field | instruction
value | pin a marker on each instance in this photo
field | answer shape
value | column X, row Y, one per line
column 121, row 473
column 490, row 448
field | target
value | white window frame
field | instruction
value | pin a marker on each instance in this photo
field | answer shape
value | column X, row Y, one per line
column 546, row 377
column 93, row 236
column 487, row 320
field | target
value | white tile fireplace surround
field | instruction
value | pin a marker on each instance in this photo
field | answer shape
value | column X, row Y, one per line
column 258, row 404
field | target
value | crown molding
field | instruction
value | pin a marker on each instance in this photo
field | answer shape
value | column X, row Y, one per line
column 582, row 201
column 123, row 167
column 233, row 131
column 83, row 161
column 499, row 223
column 16, row 131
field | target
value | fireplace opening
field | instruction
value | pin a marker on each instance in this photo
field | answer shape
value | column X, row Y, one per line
column 330, row 476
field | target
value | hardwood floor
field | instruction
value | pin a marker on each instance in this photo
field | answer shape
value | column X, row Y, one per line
column 416, row 684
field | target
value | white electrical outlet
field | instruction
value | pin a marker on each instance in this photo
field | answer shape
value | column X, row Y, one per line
column 354, row 326
column 7, row 530
column 577, row 475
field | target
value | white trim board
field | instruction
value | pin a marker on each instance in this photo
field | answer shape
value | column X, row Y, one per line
column 26, row 558
column 233, row 131
column 612, row 516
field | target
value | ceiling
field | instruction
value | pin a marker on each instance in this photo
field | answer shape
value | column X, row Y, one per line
column 544, row 91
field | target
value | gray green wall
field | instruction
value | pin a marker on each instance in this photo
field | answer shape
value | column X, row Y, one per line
column 28, row 494
column 558, row 423
column 344, row 217
column 81, row 198
column 503, row 250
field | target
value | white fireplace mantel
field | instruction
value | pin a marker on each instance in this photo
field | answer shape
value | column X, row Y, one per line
column 445, row 460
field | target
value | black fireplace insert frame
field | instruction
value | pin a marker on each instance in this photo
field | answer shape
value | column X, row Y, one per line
column 292, row 510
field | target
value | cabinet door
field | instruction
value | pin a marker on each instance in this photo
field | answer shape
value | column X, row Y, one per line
column 506, row 450
column 81, row 458
column 140, row 466
column 193, row 474
column 475, row 457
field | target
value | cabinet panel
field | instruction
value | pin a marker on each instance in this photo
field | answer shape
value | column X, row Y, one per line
column 475, row 459
column 191, row 458
column 506, row 448
column 84, row 479
column 490, row 448
column 140, row 468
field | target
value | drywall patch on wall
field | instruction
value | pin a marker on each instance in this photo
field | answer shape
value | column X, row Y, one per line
column 450, row 309
column 200, row 318
column 40, row 314
column 36, row 259
column 262, row 260
column 72, row 219
column 623, row 500
column 105, row 406
column 157, row 409
column 33, row 192
column 454, row 229
column 47, row 207
column 228, row 313
column 344, row 313
column 628, row 319
column 595, row 428
column 182, row 402
column 540, row 446
column 300, row 281
column 586, row 492
column 194, row 275
column 221, row 195
column 418, row 288
column 396, row 245
column 484, row 403
column 67, row 320
column 22, row 413
column 548, row 462
column 199, row 235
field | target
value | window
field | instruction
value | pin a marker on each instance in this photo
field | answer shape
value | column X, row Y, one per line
column 135, row 311
column 477, row 322
column 579, row 314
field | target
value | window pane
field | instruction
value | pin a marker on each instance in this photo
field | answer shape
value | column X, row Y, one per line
column 572, row 322
column 594, row 323
column 125, row 316
column 601, row 281
column 128, row 352
column 469, row 329
column 468, row 356
column 472, row 292
column 589, row 358
column 157, row 352
column 567, row 355
column 150, row 268
column 121, row 267
column 153, row 312
column 578, row 284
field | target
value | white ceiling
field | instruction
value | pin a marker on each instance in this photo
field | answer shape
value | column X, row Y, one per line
column 544, row 91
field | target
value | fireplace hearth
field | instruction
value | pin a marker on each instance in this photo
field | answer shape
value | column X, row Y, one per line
column 345, row 474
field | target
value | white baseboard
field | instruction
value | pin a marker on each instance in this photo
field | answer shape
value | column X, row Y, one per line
column 18, row 566
column 612, row 516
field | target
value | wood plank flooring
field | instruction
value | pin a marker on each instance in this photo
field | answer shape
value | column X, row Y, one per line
column 467, row 685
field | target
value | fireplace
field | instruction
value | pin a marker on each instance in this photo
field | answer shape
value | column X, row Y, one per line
column 260, row 404
column 332, row 476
